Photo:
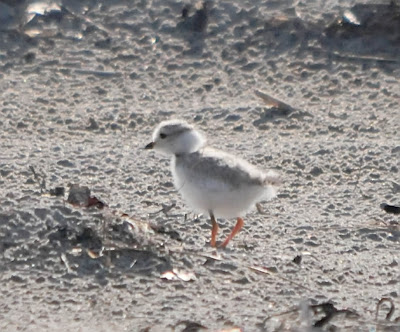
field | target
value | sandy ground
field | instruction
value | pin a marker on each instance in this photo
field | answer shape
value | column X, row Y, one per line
column 81, row 91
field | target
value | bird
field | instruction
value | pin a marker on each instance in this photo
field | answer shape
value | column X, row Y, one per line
column 211, row 181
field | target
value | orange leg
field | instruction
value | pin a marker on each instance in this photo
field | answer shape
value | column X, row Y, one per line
column 235, row 230
column 214, row 230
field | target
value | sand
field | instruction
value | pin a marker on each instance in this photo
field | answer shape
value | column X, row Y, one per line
column 82, row 88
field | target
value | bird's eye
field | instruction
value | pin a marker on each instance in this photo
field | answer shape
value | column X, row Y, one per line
column 162, row 136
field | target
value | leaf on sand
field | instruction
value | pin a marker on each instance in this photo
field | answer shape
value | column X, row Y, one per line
column 176, row 274
column 273, row 102
column 94, row 201
column 212, row 257
column 169, row 275
column 93, row 254
column 261, row 269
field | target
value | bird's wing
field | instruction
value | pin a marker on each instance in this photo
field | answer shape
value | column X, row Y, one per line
column 217, row 170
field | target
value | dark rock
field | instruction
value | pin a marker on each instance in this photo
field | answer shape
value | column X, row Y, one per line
column 57, row 191
column 78, row 195
column 390, row 208
column 297, row 259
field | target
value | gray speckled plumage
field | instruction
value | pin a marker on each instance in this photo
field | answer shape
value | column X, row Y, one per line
column 219, row 166
column 210, row 180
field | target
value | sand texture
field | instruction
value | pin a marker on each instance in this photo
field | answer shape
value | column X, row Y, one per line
column 309, row 89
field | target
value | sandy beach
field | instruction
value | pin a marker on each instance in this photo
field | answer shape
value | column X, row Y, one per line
column 309, row 89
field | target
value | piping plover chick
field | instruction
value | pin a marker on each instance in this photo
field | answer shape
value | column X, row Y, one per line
column 211, row 181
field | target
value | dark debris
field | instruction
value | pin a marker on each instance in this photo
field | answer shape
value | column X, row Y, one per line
column 329, row 311
column 390, row 208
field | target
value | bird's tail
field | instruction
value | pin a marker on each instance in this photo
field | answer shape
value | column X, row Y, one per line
column 271, row 183
column 272, row 178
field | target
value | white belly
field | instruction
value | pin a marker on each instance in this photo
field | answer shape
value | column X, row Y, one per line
column 204, row 195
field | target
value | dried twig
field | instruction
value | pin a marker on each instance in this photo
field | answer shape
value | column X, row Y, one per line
column 39, row 178
column 64, row 259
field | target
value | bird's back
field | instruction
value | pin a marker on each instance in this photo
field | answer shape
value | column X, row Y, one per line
column 211, row 179
column 228, row 172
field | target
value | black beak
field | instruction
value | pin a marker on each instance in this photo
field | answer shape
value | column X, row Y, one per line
column 149, row 146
